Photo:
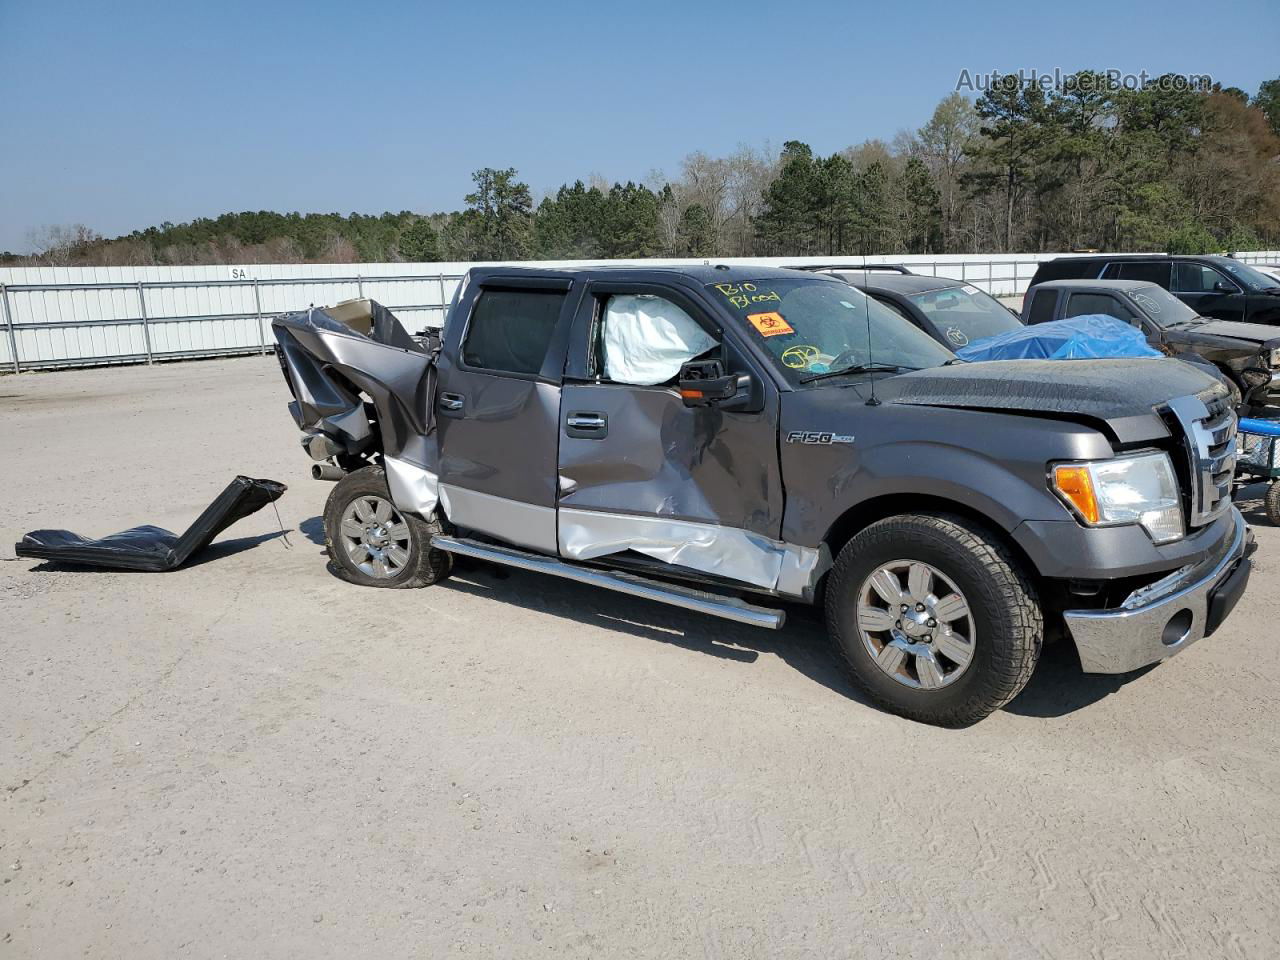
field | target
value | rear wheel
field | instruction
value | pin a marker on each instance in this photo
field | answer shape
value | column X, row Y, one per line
column 372, row 543
column 933, row 618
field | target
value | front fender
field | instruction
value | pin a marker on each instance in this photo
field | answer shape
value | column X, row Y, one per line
column 992, row 464
column 967, row 477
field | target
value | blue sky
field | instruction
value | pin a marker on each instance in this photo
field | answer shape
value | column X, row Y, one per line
column 123, row 114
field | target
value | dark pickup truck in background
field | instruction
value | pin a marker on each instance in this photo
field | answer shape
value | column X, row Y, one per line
column 724, row 439
column 1212, row 286
column 1246, row 354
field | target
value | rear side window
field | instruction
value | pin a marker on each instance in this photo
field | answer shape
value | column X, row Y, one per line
column 1150, row 271
column 1084, row 304
column 510, row 330
column 894, row 307
column 1066, row 268
column 1042, row 305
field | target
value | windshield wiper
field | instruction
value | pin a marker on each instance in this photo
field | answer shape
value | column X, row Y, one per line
column 858, row 368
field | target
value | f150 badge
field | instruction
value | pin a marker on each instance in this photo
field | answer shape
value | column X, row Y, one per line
column 813, row 436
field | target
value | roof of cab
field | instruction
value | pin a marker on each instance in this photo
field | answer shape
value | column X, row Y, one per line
column 699, row 273
column 1103, row 284
column 894, row 282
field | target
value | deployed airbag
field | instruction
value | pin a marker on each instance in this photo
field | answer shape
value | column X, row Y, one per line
column 149, row 548
column 647, row 338
column 1092, row 336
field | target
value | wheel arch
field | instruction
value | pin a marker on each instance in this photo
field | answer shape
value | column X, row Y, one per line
column 862, row 515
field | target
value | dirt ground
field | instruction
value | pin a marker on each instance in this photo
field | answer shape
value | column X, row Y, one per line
column 250, row 758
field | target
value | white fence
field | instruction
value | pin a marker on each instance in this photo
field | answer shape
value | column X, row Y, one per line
column 78, row 316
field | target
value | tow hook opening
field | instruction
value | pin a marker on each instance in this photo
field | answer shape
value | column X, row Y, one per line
column 1177, row 629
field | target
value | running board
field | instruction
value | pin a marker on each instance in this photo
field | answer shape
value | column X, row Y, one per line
column 727, row 608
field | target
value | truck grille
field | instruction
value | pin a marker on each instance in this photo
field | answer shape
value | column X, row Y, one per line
column 1209, row 429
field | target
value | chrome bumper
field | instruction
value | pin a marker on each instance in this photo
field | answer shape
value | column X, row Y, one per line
column 1165, row 617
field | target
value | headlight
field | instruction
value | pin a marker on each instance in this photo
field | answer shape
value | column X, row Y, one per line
column 1275, row 357
column 1139, row 489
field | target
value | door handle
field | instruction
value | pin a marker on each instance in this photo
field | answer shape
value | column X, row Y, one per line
column 588, row 425
column 451, row 401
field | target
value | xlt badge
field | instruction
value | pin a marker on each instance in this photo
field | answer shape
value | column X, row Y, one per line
column 813, row 436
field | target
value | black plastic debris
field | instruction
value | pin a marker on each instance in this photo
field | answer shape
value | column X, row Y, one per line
column 149, row 548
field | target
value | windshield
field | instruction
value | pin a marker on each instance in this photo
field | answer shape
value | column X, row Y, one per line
column 964, row 314
column 1247, row 275
column 813, row 326
column 1160, row 305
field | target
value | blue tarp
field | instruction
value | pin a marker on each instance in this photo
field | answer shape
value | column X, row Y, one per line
column 1092, row 336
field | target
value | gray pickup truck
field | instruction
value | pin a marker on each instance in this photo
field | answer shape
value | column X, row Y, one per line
column 723, row 439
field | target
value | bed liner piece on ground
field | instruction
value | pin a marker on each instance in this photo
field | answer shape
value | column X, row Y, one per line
column 148, row 548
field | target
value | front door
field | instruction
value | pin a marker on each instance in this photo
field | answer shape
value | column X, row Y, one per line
column 640, row 472
column 498, row 406
column 1208, row 291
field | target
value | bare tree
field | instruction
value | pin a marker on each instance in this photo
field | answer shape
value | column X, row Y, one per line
column 58, row 245
column 943, row 141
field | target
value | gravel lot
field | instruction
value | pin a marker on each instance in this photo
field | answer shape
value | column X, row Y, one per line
column 250, row 758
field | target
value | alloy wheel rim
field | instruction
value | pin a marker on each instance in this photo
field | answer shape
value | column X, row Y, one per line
column 375, row 537
column 916, row 624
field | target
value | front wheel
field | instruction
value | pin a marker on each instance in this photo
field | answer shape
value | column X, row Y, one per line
column 372, row 543
column 1272, row 502
column 933, row 618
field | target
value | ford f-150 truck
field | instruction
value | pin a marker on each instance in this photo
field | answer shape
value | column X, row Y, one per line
column 723, row 438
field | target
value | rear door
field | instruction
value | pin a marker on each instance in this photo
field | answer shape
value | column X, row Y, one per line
column 695, row 487
column 498, row 406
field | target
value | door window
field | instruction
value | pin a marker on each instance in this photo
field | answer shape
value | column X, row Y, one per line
column 645, row 339
column 1198, row 278
column 1086, row 304
column 510, row 330
column 1152, row 271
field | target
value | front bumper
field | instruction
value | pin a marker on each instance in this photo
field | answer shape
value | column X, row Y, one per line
column 1267, row 394
column 1164, row 618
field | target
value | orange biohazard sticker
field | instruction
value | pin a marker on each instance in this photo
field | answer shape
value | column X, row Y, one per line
column 769, row 324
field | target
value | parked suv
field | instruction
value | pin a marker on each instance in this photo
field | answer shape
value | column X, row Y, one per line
column 1246, row 354
column 722, row 439
column 1212, row 286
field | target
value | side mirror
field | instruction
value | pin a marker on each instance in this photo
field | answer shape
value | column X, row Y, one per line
column 1223, row 287
column 704, row 382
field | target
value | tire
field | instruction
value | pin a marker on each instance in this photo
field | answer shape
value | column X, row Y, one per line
column 1272, row 502
column 396, row 551
column 1002, row 617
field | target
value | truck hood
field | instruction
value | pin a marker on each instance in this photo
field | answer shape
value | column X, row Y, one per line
column 1249, row 335
column 1123, row 395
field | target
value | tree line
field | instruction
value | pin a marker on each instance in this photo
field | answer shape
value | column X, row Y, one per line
column 1085, row 165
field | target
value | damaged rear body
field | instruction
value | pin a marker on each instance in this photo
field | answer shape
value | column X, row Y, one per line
column 363, row 392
